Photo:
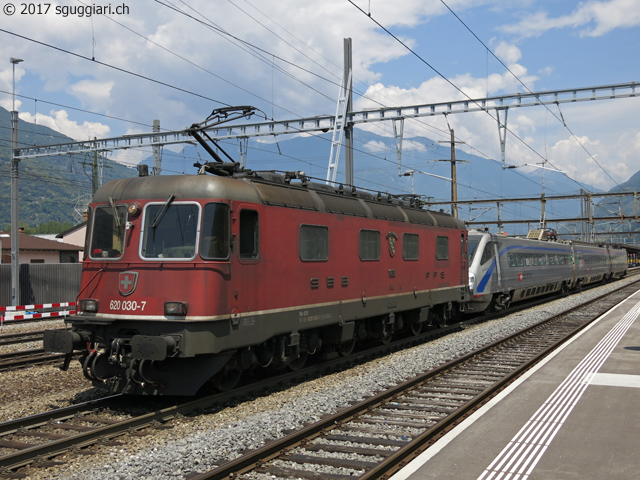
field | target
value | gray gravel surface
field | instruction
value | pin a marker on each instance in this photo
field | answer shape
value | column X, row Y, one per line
column 195, row 445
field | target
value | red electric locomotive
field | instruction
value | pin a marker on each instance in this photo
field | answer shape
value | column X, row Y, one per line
column 193, row 279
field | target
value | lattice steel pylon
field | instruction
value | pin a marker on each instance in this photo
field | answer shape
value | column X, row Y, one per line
column 338, row 130
column 81, row 206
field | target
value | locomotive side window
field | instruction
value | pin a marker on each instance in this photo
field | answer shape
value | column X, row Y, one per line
column 410, row 246
column 107, row 239
column 170, row 231
column 214, row 244
column 248, row 234
column 314, row 243
column 369, row 245
column 442, row 248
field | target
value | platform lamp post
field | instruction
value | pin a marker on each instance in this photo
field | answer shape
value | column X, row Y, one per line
column 15, row 245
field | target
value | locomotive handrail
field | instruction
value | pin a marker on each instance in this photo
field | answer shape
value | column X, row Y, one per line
column 88, row 283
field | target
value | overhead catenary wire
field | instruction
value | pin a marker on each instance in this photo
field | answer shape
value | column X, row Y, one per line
column 441, row 75
column 369, row 153
column 560, row 119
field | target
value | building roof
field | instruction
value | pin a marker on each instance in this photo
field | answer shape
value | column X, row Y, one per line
column 29, row 242
column 78, row 227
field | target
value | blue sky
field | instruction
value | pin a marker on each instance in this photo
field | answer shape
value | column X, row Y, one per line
column 549, row 45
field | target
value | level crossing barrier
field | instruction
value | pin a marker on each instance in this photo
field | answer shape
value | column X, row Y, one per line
column 43, row 310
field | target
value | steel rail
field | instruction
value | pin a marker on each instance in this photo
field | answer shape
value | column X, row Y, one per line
column 24, row 337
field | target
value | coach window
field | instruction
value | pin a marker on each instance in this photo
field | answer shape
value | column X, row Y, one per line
column 214, row 242
column 442, row 248
column 107, row 239
column 248, row 234
column 369, row 245
column 512, row 262
column 410, row 246
column 314, row 243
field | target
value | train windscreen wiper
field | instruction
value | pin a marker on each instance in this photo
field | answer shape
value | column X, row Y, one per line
column 115, row 211
column 163, row 210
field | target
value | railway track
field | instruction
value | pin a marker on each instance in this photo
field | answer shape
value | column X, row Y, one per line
column 25, row 358
column 377, row 436
column 15, row 359
column 404, row 419
column 23, row 337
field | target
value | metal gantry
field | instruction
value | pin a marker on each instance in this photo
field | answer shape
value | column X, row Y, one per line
column 326, row 123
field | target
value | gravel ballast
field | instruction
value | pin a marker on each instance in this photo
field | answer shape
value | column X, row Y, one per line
column 197, row 444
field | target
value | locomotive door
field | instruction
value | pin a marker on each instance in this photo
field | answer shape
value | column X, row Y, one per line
column 464, row 260
column 245, row 230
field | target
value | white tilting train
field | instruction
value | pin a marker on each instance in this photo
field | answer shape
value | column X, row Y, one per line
column 505, row 270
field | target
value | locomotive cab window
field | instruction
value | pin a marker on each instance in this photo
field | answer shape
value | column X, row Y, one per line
column 471, row 248
column 248, row 234
column 369, row 245
column 442, row 248
column 107, row 238
column 487, row 253
column 214, row 244
column 170, row 231
column 314, row 243
column 410, row 246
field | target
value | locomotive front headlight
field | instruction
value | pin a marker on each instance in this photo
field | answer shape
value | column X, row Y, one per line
column 472, row 281
column 89, row 305
column 134, row 209
column 175, row 308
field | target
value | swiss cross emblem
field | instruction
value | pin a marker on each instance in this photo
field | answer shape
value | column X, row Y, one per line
column 520, row 277
column 127, row 282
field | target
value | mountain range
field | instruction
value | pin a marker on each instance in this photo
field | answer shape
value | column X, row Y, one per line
column 57, row 188
column 51, row 189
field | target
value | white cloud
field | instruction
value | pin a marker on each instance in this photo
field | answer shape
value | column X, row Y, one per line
column 59, row 121
column 91, row 92
column 509, row 54
column 214, row 66
column 375, row 146
column 593, row 18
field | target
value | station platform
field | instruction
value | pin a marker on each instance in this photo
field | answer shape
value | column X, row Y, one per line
column 574, row 416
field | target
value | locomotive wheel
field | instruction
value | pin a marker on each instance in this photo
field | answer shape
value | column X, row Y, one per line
column 416, row 327
column 386, row 340
column 227, row 378
column 297, row 363
column 346, row 348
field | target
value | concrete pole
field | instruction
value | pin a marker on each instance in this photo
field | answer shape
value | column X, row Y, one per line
column 15, row 242
column 454, row 181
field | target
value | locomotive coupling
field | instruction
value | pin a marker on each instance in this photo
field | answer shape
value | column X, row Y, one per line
column 65, row 341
